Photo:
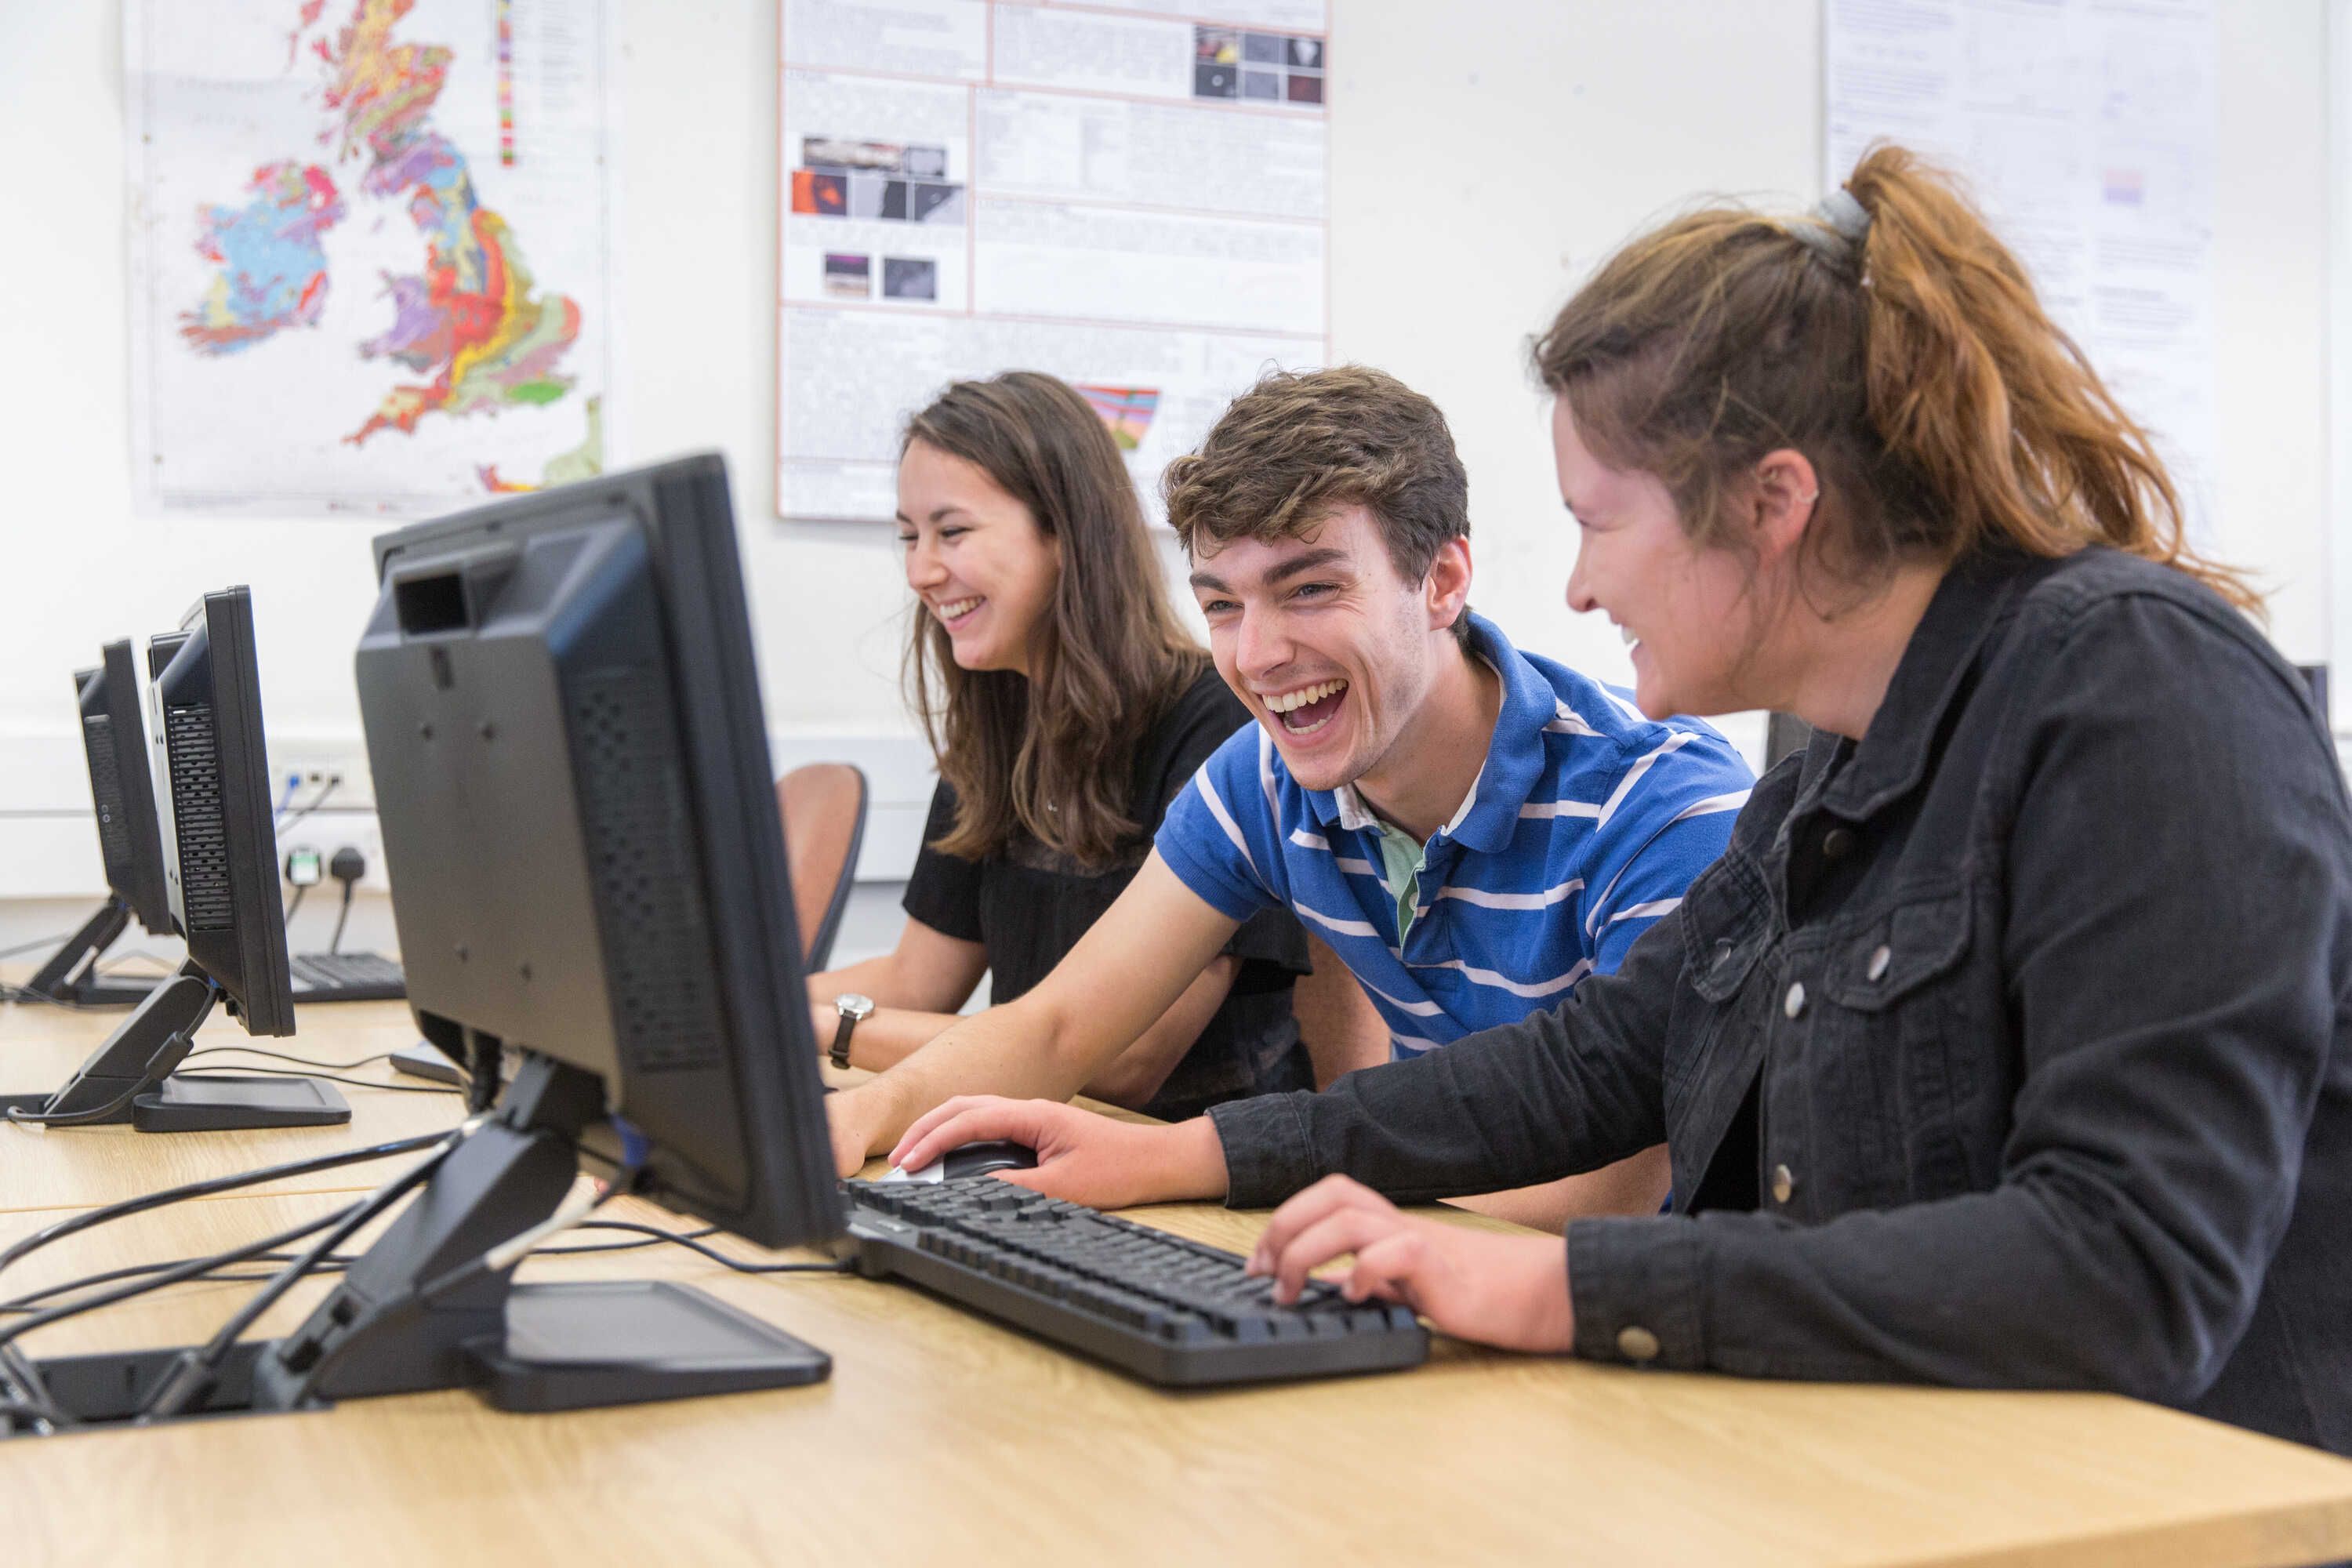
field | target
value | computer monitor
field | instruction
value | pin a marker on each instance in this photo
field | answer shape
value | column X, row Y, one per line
column 114, row 743
column 220, row 865
column 571, row 775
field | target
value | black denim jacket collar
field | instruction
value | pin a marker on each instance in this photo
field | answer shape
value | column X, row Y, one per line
column 1891, row 759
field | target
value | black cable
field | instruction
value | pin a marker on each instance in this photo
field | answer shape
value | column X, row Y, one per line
column 26, row 1378
column 31, row 946
column 294, row 904
column 192, row 1375
column 75, row 1224
column 21, row 1117
column 203, row 1073
column 712, row 1253
column 189, row 1269
column 336, row 943
column 317, row 801
column 31, row 1299
column 116, row 966
column 299, row 1061
column 217, row 1269
column 9, row 993
column 654, row 1237
column 157, row 1282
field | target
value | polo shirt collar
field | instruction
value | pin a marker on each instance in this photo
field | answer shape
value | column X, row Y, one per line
column 1490, row 815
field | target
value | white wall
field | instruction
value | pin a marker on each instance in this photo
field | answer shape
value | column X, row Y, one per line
column 1483, row 155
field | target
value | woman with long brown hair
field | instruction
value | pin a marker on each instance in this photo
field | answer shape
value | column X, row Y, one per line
column 1066, row 706
column 2007, row 1043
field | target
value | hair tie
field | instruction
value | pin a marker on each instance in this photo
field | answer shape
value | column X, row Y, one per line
column 1835, row 230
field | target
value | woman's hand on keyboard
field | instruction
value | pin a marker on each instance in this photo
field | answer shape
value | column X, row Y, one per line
column 1505, row 1290
column 1094, row 1159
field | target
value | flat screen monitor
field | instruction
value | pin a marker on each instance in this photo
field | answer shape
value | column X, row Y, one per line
column 122, row 787
column 219, row 866
column 220, row 856
column 571, row 766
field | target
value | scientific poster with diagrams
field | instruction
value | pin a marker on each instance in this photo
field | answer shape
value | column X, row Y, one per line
column 1131, row 196
column 369, row 251
column 2088, row 130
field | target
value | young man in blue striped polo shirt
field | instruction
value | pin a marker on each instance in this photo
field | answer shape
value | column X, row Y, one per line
column 1473, row 829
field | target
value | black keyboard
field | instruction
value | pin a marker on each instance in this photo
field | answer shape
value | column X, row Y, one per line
column 346, row 977
column 1170, row 1311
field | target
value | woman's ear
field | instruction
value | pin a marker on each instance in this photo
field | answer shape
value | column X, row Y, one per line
column 1786, row 498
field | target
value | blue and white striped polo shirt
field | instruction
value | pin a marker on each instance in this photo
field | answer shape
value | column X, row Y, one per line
column 1583, row 827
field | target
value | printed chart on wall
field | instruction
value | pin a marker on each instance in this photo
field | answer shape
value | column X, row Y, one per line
column 2087, row 129
column 1131, row 196
column 370, row 254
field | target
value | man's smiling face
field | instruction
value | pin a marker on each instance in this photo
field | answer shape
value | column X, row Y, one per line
column 1331, row 649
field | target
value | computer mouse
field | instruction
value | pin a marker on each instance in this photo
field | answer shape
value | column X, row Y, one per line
column 979, row 1159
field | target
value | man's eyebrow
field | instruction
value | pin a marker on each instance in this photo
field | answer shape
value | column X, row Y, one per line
column 1311, row 561
column 1214, row 583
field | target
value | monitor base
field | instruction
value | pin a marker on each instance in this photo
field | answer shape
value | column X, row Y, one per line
column 629, row 1342
column 130, row 1077
column 566, row 1347
column 427, row 1060
column 70, row 973
column 227, row 1102
column 113, row 992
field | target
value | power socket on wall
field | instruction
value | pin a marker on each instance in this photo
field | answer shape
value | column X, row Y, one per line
column 329, row 830
column 309, row 762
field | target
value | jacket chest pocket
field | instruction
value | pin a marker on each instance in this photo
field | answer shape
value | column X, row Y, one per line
column 1727, row 930
column 1890, row 1062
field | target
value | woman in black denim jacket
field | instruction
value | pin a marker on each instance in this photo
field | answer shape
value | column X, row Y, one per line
column 2007, row 1043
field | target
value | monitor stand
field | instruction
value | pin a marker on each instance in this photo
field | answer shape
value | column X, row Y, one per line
column 71, row 973
column 421, row 1310
column 129, row 1077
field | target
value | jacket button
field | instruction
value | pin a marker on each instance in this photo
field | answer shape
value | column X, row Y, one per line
column 1794, row 1002
column 1837, row 844
column 1637, row 1343
column 1784, row 1183
column 1878, row 963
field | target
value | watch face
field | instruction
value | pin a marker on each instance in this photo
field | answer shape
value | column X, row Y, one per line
column 853, row 1005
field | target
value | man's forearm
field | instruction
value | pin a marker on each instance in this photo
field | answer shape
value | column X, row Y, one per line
column 1011, row 1051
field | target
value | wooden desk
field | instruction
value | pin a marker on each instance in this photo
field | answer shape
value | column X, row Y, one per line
column 940, row 1432
column 41, row 1046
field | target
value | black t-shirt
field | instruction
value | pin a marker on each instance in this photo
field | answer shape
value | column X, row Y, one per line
column 1029, row 905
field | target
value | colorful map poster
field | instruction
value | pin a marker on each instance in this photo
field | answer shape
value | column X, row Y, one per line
column 371, row 249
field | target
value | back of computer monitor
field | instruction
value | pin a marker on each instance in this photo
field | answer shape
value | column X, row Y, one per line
column 121, row 786
column 571, row 773
column 221, row 848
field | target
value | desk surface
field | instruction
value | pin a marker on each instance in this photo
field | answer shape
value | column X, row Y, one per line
column 41, row 1046
column 941, row 1430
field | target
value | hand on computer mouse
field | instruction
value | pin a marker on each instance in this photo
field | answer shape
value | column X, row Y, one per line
column 1089, row 1159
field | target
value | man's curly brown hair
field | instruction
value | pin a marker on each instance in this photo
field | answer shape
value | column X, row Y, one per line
column 1302, row 443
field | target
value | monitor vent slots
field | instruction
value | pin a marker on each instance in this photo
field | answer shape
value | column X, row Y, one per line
column 633, row 814
column 196, row 810
column 114, row 832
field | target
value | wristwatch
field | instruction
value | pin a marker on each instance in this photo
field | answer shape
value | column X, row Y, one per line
column 853, row 1010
